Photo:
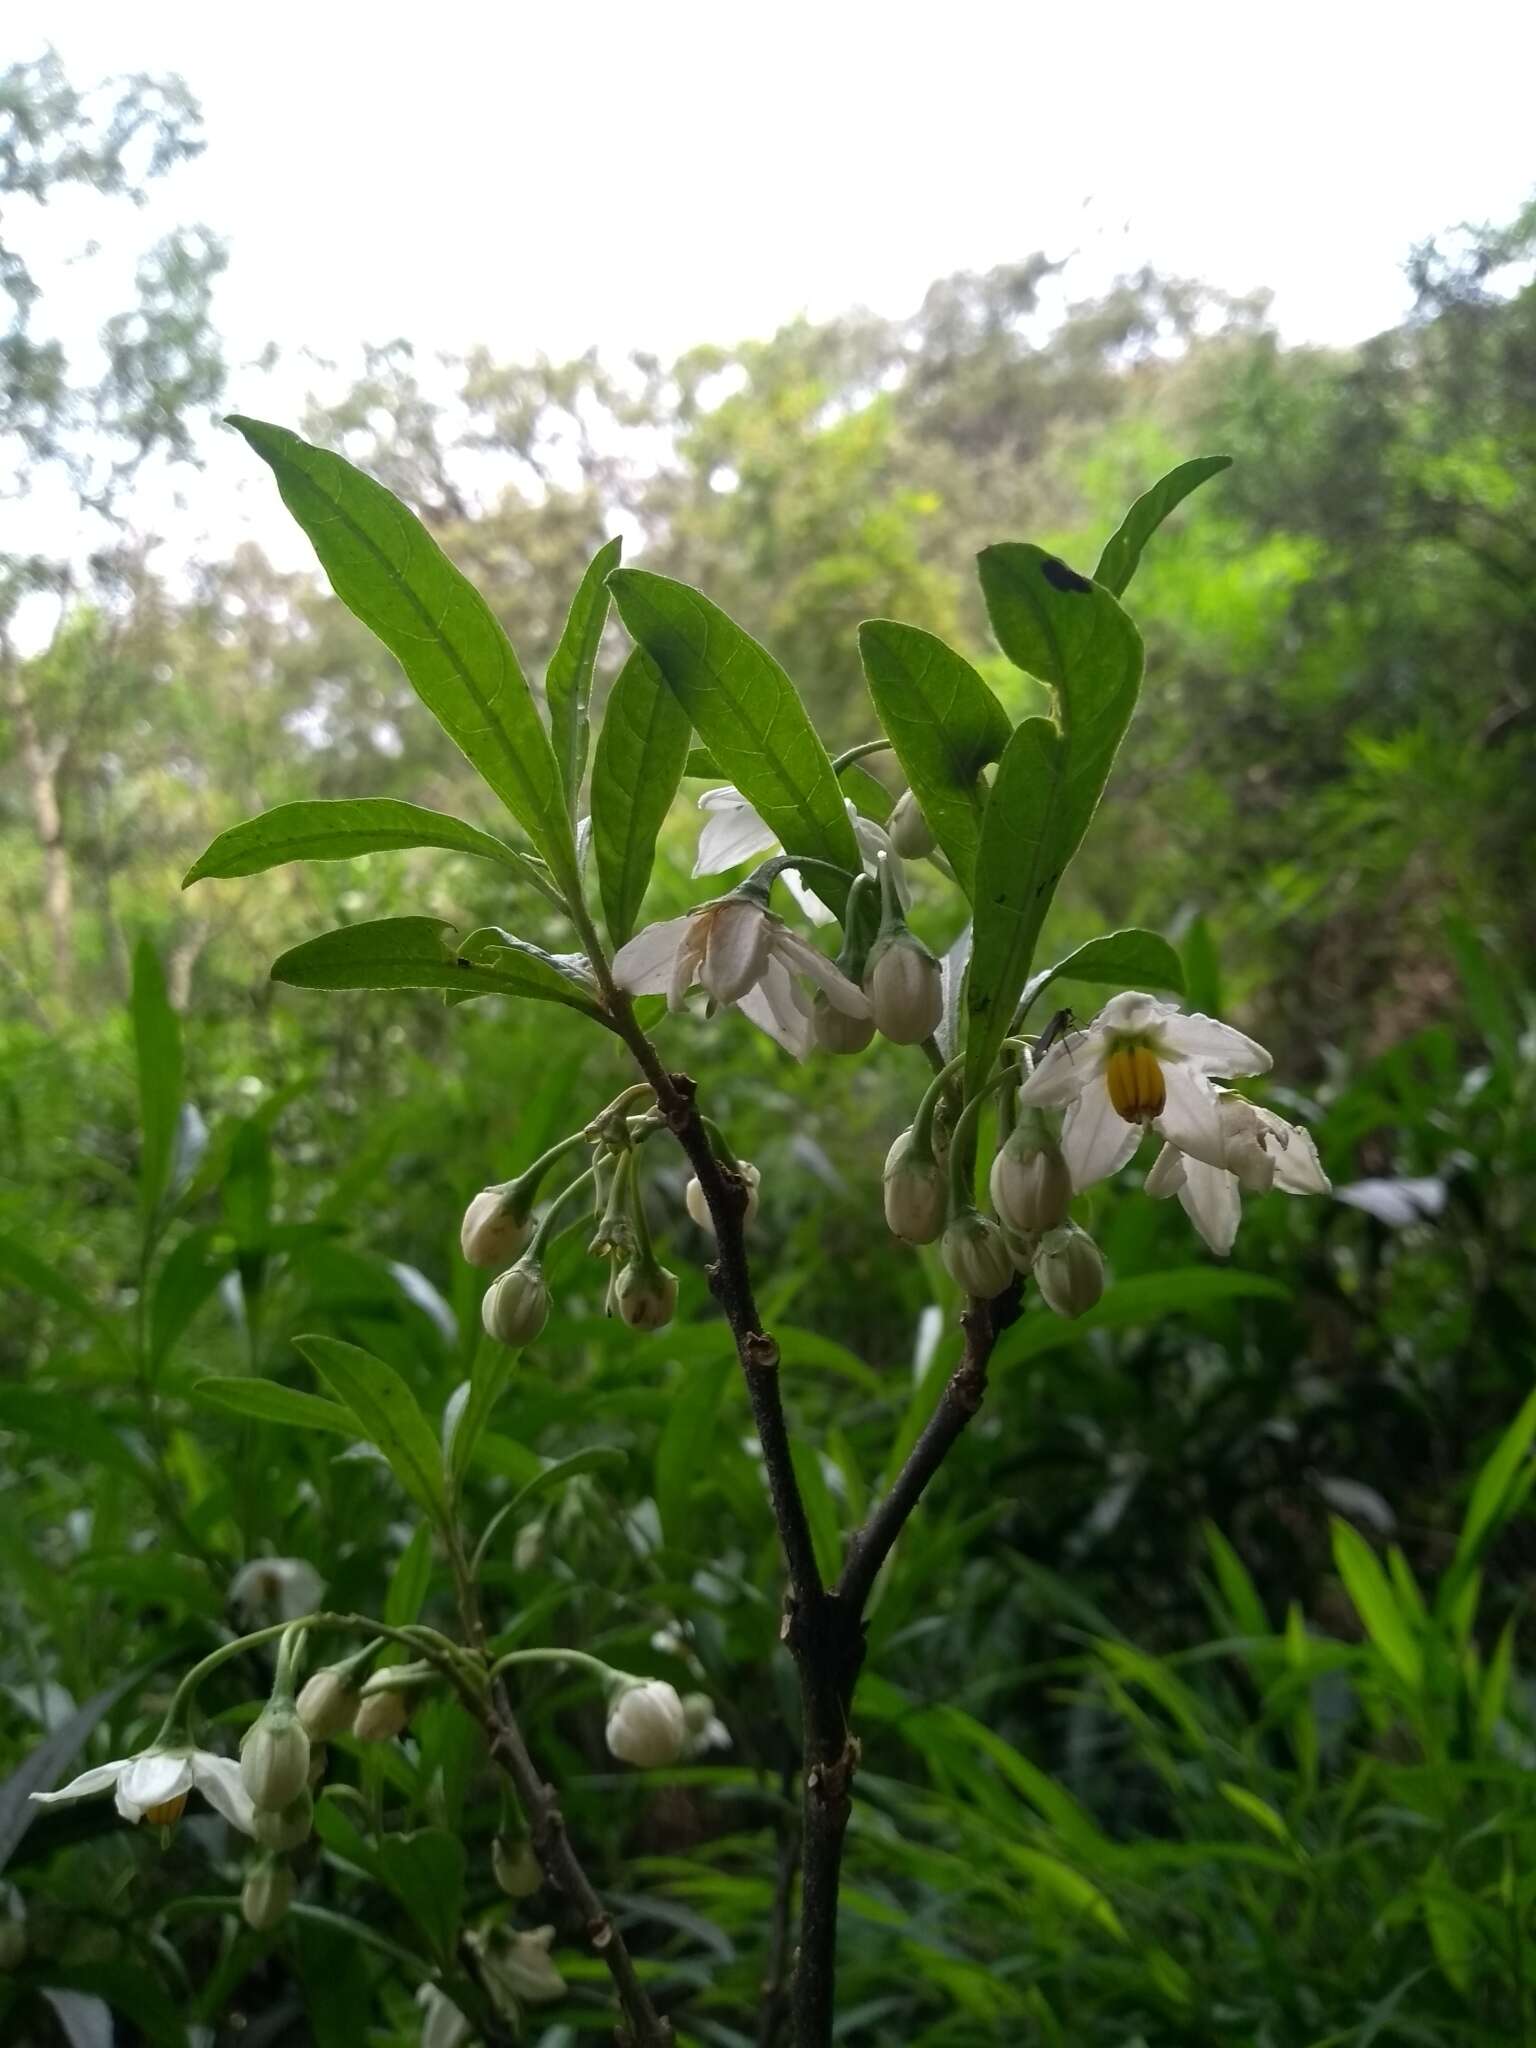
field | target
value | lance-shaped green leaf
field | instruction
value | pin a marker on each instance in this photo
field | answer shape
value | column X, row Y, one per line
column 640, row 754
column 157, row 1049
column 748, row 714
column 418, row 952
column 1122, row 551
column 385, row 566
column 1070, row 633
column 1129, row 959
column 568, row 680
column 270, row 1401
column 341, row 828
column 387, row 1415
column 945, row 725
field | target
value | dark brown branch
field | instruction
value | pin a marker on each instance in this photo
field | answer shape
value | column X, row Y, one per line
column 775, row 2006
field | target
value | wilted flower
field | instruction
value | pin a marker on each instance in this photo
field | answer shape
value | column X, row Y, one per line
column 905, row 989
column 742, row 954
column 266, row 1894
column 976, row 1255
column 516, row 1307
column 1069, row 1271
column 495, row 1227
column 442, row 2024
column 916, row 1196
column 153, row 1785
column 1262, row 1151
column 698, row 1208
column 645, row 1294
column 517, row 1967
column 276, row 1589
column 1140, row 1064
column 274, row 1757
column 646, row 1724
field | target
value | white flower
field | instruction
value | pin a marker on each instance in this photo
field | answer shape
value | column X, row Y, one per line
column 1261, row 1151
column 276, row 1589
column 1140, row 1063
column 153, row 1785
column 741, row 954
column 442, row 2024
column 647, row 1725
column 734, row 832
column 517, row 1967
column 706, row 1730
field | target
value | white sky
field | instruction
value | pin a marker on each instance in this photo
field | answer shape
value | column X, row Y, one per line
column 650, row 173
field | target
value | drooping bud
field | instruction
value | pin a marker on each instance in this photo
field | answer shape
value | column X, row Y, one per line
column 1030, row 1181
column 646, row 1724
column 698, row 1208
column 517, row 1967
column 976, row 1254
column 516, row 1307
column 286, row 1828
column 274, row 1757
column 905, row 989
column 908, row 828
column 327, row 1703
column 645, row 1294
column 380, row 1716
column 515, row 1865
column 915, row 1193
column 496, row 1226
column 1069, row 1271
column 266, row 1894
column 835, row 1030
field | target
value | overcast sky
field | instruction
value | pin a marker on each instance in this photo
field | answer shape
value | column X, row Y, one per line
column 654, row 173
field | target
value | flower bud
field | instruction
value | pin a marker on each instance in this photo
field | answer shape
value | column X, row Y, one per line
column 380, row 1716
column 976, row 1255
column 645, row 1294
column 1030, row 1182
column 327, row 1703
column 288, row 1828
column 646, row 1724
column 266, row 1894
column 698, row 1208
column 495, row 1228
column 516, row 1307
column 905, row 989
column 915, row 1194
column 706, row 1730
column 517, row 1968
column 1069, row 1270
column 515, row 1865
column 907, row 828
column 274, row 1757
column 835, row 1030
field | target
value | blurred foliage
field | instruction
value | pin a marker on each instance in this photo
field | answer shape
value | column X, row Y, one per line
column 1197, row 1715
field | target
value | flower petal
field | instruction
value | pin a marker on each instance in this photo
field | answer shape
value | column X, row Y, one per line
column 1212, row 1203
column 101, row 1778
column 1096, row 1140
column 1211, row 1047
column 643, row 964
column 1166, row 1176
column 801, row 957
column 807, row 899
column 735, row 949
column 1298, row 1170
column 1070, row 1066
column 153, row 1778
column 776, row 1006
column 218, row 1779
column 686, row 962
column 1191, row 1116
column 732, row 833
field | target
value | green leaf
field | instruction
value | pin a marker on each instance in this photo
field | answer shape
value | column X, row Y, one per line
column 387, row 1414
column 640, row 754
column 425, row 1871
column 1063, row 629
column 472, row 1404
column 385, row 566
column 1129, row 959
column 269, row 1401
column 1258, row 1810
column 748, row 714
column 1496, row 1485
column 1202, row 968
column 557, row 1474
column 1368, row 1587
column 186, row 1279
column 701, row 766
column 157, row 1048
column 682, row 1451
column 413, row 952
column 409, row 1580
column 568, row 680
column 1144, row 1298
column 42, row 1767
column 1122, row 551
column 342, row 828
column 49, row 1284
column 820, row 1509
column 945, row 725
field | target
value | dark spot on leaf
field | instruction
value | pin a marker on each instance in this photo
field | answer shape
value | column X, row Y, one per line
column 1060, row 577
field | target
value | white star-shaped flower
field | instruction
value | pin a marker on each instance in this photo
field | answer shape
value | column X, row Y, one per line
column 1140, row 1065
column 734, row 832
column 154, row 1785
column 1263, row 1151
column 740, row 954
